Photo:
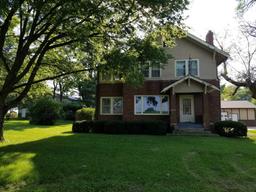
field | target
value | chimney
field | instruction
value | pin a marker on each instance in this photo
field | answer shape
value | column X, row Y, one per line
column 209, row 37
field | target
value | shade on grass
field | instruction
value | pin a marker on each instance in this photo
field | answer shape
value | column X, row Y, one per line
column 51, row 158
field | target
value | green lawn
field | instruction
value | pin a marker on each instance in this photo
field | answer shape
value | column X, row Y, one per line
column 41, row 158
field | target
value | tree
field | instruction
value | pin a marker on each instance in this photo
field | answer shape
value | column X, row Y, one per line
column 41, row 35
column 243, row 52
column 227, row 93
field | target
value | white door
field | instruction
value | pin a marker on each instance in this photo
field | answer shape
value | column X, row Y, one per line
column 187, row 113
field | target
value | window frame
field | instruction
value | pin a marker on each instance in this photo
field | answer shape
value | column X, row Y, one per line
column 112, row 77
column 187, row 67
column 150, row 68
column 142, row 107
column 111, row 105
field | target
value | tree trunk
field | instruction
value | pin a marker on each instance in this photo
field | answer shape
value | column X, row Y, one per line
column 61, row 91
column 2, row 114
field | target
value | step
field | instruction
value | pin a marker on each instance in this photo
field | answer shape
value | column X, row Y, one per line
column 192, row 131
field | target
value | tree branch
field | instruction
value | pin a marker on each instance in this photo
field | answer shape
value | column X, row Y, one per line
column 53, row 77
column 237, row 83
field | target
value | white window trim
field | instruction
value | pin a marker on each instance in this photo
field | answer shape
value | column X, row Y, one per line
column 111, row 106
column 186, row 67
column 150, row 72
column 143, row 105
column 112, row 78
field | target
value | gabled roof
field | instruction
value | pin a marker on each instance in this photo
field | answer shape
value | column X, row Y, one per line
column 237, row 105
column 187, row 78
column 221, row 56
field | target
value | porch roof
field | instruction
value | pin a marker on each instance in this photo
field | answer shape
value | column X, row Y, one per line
column 190, row 77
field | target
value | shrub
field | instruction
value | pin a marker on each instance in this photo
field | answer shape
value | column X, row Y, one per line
column 70, row 109
column 122, row 127
column 85, row 114
column 45, row 111
column 98, row 126
column 114, row 127
column 135, row 127
column 82, row 126
column 11, row 115
column 230, row 129
column 155, row 128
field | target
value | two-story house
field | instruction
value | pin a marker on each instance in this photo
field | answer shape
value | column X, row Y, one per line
column 186, row 90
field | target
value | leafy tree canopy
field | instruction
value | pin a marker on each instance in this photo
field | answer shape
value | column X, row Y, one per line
column 43, row 36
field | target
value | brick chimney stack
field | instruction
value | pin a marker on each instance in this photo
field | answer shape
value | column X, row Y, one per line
column 209, row 37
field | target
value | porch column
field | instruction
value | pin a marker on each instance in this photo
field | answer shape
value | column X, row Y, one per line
column 173, row 112
column 206, row 110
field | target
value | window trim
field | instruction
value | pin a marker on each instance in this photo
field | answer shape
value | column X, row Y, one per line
column 150, row 72
column 186, row 67
column 111, row 105
column 159, row 114
column 112, row 78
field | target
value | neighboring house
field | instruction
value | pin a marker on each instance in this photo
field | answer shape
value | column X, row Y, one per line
column 243, row 111
column 185, row 91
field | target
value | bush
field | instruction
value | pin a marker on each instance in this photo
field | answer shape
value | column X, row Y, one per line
column 70, row 109
column 11, row 115
column 85, row 114
column 82, row 127
column 230, row 129
column 114, row 127
column 98, row 126
column 122, row 127
column 135, row 127
column 45, row 111
column 155, row 128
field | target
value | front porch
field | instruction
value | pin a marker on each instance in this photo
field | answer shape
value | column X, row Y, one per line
column 193, row 103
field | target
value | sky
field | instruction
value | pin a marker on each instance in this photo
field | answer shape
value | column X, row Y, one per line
column 215, row 15
column 220, row 16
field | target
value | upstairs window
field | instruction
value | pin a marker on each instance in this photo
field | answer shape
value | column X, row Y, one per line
column 193, row 67
column 155, row 70
column 152, row 71
column 109, row 76
column 180, row 68
column 187, row 67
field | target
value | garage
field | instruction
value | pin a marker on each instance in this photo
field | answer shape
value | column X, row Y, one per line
column 243, row 111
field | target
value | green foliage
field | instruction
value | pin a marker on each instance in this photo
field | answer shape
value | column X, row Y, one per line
column 227, row 93
column 45, row 111
column 11, row 115
column 122, row 127
column 82, row 127
column 230, row 129
column 69, row 109
column 85, row 114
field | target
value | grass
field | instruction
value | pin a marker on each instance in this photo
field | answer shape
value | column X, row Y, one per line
column 51, row 158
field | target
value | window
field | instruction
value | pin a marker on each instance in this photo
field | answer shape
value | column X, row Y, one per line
column 193, row 67
column 152, row 71
column 152, row 104
column 111, row 105
column 109, row 76
column 180, row 68
column 155, row 70
column 185, row 67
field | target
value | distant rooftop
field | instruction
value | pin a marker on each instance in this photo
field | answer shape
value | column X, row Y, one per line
column 237, row 104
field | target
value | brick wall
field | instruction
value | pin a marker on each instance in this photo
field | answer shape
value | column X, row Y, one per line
column 154, row 88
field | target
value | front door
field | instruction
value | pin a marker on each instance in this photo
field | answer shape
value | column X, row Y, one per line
column 187, row 113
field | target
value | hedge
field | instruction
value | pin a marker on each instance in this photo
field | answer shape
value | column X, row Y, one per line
column 85, row 114
column 230, row 129
column 122, row 127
